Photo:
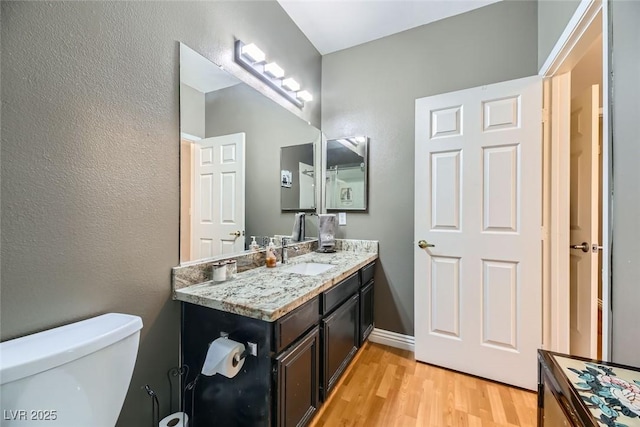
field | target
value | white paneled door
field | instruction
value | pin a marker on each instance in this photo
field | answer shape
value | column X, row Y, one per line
column 478, row 201
column 218, row 203
column 584, row 222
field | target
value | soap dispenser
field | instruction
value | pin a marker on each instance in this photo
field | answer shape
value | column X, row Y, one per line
column 254, row 245
column 271, row 259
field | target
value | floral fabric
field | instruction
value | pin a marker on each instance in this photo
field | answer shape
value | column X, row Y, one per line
column 611, row 394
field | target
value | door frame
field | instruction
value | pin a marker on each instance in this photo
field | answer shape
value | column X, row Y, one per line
column 590, row 19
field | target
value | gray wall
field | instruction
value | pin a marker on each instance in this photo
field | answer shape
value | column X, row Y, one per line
column 267, row 127
column 90, row 159
column 371, row 90
column 626, row 176
column 191, row 111
column 553, row 17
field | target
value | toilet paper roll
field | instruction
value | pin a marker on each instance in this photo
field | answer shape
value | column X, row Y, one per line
column 177, row 419
column 223, row 357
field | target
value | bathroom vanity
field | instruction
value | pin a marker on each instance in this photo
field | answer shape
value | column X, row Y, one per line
column 307, row 329
column 574, row 391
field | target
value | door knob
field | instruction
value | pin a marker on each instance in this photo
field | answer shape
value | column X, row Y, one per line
column 237, row 234
column 423, row 244
column 584, row 247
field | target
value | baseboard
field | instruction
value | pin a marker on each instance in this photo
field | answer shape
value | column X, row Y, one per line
column 392, row 339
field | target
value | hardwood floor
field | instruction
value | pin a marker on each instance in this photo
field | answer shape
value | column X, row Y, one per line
column 387, row 387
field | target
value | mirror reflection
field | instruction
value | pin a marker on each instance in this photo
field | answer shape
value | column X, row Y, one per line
column 297, row 183
column 346, row 174
column 231, row 139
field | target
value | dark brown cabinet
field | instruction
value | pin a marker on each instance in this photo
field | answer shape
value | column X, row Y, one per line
column 300, row 357
column 366, row 311
column 366, row 301
column 340, row 341
column 297, row 373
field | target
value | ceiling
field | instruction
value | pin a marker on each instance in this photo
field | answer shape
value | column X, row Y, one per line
column 333, row 25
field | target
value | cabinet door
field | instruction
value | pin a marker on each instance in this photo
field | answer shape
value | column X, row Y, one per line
column 340, row 339
column 366, row 312
column 297, row 378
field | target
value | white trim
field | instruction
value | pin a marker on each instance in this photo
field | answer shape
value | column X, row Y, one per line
column 606, row 186
column 547, row 334
column 392, row 339
column 189, row 137
column 559, row 216
column 560, row 59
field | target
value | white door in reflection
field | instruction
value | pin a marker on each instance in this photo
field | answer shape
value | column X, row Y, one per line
column 218, row 219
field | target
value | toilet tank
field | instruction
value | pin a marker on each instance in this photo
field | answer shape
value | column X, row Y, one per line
column 76, row 375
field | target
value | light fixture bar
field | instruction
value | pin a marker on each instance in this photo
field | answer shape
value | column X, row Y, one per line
column 268, row 72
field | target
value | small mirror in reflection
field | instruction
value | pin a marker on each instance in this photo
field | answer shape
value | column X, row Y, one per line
column 346, row 181
column 297, row 184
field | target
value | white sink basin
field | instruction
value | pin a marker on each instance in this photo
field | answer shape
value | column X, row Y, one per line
column 308, row 268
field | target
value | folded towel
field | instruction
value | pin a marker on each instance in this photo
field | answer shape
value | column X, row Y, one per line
column 327, row 231
column 298, row 227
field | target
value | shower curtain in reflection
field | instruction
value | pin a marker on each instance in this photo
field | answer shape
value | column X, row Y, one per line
column 345, row 188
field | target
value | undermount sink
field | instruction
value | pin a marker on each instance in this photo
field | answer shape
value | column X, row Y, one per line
column 308, row 268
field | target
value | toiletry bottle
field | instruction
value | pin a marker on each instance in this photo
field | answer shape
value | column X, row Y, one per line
column 271, row 259
column 254, row 245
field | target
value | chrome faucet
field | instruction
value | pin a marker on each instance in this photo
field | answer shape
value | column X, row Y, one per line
column 285, row 257
column 285, row 253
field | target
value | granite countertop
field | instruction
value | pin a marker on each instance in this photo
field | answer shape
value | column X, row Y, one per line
column 270, row 293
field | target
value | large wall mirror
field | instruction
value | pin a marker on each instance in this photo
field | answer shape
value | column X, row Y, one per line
column 230, row 152
column 346, row 174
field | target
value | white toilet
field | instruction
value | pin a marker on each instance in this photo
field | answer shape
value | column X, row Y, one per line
column 73, row 376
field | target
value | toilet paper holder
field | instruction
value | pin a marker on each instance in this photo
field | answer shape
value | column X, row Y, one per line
column 250, row 349
column 225, row 356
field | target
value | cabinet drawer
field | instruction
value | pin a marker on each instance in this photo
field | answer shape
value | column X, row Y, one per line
column 294, row 324
column 367, row 273
column 340, row 292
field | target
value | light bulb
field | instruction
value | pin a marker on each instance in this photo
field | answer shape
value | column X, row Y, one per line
column 274, row 70
column 253, row 53
column 291, row 84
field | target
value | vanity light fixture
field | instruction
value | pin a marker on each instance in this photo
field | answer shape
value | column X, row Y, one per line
column 304, row 95
column 253, row 53
column 291, row 84
column 274, row 70
column 251, row 58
